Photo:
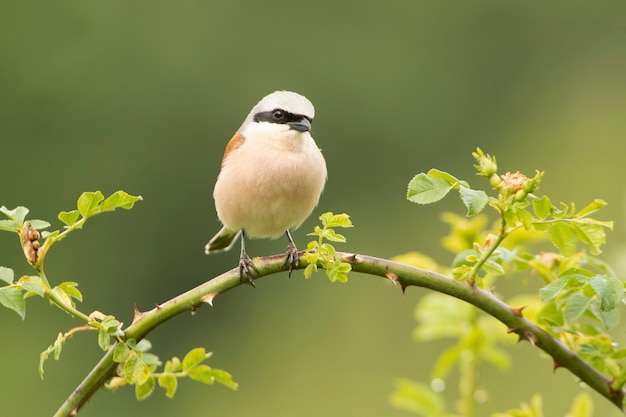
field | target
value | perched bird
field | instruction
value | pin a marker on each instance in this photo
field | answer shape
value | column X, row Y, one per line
column 271, row 178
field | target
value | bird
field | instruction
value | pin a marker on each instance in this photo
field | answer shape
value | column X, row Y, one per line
column 271, row 178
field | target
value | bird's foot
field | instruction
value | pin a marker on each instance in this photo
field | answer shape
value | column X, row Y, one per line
column 291, row 258
column 247, row 266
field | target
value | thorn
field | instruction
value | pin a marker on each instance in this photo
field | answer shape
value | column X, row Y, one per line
column 556, row 365
column 157, row 306
column 209, row 298
column 352, row 259
column 530, row 336
column 137, row 314
column 511, row 330
column 492, row 290
column 393, row 277
column 404, row 287
column 471, row 283
column 518, row 311
column 73, row 413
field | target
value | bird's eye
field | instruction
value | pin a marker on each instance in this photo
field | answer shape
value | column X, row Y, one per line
column 278, row 115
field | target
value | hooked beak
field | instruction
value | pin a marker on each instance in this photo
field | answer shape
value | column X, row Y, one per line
column 302, row 125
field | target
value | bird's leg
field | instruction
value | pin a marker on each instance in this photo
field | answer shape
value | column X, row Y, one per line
column 291, row 256
column 245, row 263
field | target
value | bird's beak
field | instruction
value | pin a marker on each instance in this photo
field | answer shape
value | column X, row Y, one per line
column 302, row 125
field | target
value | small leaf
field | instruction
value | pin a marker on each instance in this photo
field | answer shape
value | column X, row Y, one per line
column 224, row 378
column 169, row 383
column 575, row 306
column 594, row 206
column 136, row 371
column 609, row 290
column 550, row 291
column 32, row 285
column 591, row 233
column 425, row 190
column 201, row 373
column 6, row 274
column 88, row 203
column 582, row 406
column 18, row 214
column 122, row 352
column 39, row 224
column 474, row 200
column 339, row 272
column 173, row 365
column 437, row 174
column 542, row 207
column 12, row 298
column 69, row 217
column 69, row 288
column 119, row 199
column 564, row 238
column 145, row 389
column 193, row 358
column 418, row 399
column 335, row 220
column 104, row 339
column 329, row 234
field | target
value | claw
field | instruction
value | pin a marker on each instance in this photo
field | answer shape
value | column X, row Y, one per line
column 291, row 256
column 245, row 263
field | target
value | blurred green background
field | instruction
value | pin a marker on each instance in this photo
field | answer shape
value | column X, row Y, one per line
column 143, row 96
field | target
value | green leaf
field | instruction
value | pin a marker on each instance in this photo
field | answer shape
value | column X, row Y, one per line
column 224, row 378
column 18, row 214
column 6, row 274
column 474, row 200
column 69, row 217
column 10, row 225
column 119, row 199
column 193, row 358
column 145, row 389
column 418, row 399
column 55, row 349
column 592, row 233
column 122, row 352
column 609, row 290
column 582, row 406
column 201, row 373
column 32, row 285
column 575, row 306
column 173, row 365
column 553, row 289
column 39, row 224
column 339, row 272
column 425, row 190
column 335, row 220
column 169, row 383
column 104, row 339
column 69, row 288
column 594, row 206
column 437, row 174
column 564, row 238
column 12, row 298
column 135, row 370
column 542, row 207
column 88, row 203
column 329, row 234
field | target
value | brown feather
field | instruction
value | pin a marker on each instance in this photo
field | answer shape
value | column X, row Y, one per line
column 235, row 142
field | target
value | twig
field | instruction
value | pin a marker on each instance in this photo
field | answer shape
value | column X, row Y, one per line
column 403, row 274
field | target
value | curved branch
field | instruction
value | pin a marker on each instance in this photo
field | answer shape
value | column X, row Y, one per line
column 398, row 273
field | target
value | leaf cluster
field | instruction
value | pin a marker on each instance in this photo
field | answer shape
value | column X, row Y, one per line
column 138, row 367
column 580, row 295
column 323, row 254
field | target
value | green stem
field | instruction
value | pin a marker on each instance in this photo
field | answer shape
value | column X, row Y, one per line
column 398, row 273
column 471, row 276
column 58, row 301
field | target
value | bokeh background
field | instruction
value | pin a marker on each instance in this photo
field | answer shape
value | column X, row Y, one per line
column 143, row 96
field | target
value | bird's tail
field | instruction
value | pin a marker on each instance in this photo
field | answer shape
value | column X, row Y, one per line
column 222, row 241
